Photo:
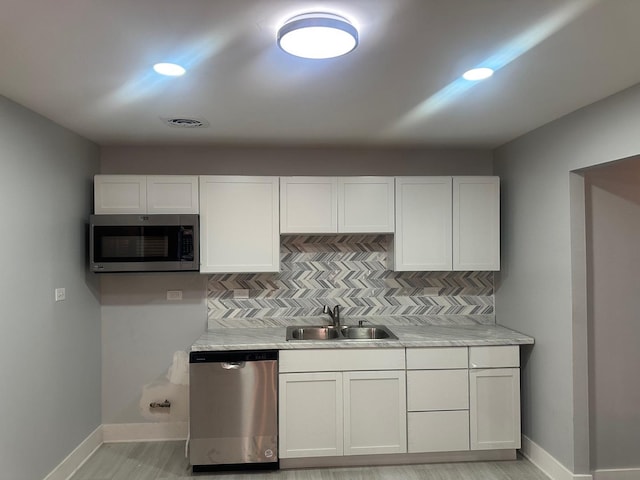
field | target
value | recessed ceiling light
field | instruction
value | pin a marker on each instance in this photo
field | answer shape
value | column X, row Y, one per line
column 477, row 74
column 317, row 35
column 169, row 69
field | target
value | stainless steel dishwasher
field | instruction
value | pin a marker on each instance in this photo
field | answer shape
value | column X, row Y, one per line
column 233, row 417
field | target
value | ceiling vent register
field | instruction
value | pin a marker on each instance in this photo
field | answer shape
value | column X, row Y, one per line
column 186, row 122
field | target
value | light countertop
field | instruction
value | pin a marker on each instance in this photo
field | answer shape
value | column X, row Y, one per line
column 263, row 338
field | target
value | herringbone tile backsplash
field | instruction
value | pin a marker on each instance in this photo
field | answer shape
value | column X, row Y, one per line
column 350, row 270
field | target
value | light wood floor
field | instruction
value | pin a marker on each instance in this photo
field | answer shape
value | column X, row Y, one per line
column 166, row 461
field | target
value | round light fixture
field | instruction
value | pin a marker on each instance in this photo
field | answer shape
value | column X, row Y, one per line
column 169, row 69
column 317, row 35
column 476, row 74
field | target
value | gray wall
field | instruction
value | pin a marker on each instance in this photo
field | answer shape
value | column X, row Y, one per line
column 49, row 352
column 141, row 331
column 294, row 161
column 534, row 289
column 613, row 237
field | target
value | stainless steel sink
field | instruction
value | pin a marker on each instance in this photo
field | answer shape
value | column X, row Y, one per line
column 374, row 332
column 347, row 332
column 312, row 333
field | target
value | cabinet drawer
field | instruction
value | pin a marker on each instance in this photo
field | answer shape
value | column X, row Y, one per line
column 437, row 431
column 437, row 390
column 436, row 358
column 338, row 360
column 494, row 357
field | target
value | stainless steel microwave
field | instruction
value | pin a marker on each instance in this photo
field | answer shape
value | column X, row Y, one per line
column 144, row 243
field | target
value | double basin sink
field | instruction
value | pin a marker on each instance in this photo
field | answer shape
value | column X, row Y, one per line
column 346, row 332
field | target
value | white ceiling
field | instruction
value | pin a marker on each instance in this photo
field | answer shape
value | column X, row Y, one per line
column 86, row 64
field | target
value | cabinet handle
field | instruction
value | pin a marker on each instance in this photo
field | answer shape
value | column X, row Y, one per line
column 233, row 365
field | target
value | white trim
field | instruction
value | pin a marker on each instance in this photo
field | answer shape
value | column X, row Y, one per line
column 77, row 457
column 144, row 432
column 617, row 474
column 547, row 463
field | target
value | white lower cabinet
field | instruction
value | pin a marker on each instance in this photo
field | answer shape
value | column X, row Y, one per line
column 437, row 399
column 445, row 431
column 495, row 408
column 373, row 401
column 494, row 397
column 374, row 412
column 345, row 412
column 311, row 414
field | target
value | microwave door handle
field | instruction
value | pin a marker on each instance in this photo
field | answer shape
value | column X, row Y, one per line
column 182, row 253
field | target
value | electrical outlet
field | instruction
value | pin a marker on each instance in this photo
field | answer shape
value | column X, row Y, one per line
column 60, row 294
column 174, row 295
column 430, row 291
column 241, row 293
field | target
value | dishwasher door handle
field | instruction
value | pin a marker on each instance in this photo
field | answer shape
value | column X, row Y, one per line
column 233, row 365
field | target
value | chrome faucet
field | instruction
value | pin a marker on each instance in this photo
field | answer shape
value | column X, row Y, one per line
column 335, row 315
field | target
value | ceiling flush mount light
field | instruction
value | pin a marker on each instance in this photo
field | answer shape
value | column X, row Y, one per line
column 476, row 74
column 169, row 69
column 317, row 35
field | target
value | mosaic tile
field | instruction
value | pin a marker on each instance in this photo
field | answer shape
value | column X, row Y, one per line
column 349, row 270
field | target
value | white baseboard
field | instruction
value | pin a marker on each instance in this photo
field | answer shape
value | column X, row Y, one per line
column 144, row 432
column 547, row 463
column 617, row 474
column 77, row 457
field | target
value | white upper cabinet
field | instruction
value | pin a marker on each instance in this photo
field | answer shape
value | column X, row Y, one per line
column 172, row 194
column 145, row 194
column 239, row 224
column 447, row 223
column 308, row 205
column 336, row 205
column 120, row 194
column 366, row 205
column 476, row 223
column 423, row 224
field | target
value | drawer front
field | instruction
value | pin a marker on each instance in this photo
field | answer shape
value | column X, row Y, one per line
column 502, row 356
column 437, row 390
column 436, row 358
column 437, row 431
column 339, row 360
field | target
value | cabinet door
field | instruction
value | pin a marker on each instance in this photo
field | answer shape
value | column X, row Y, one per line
column 120, row 194
column 366, row 205
column 375, row 412
column 476, row 223
column 308, row 205
column 494, row 397
column 310, row 414
column 239, row 224
column 172, row 194
column 423, row 224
